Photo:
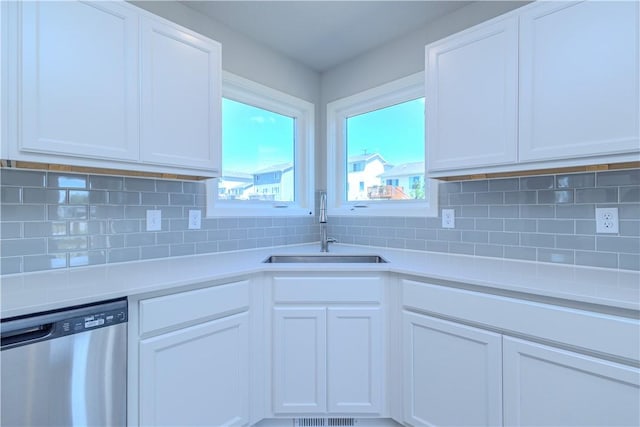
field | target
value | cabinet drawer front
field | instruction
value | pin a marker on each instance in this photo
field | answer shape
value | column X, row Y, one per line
column 328, row 289
column 617, row 336
column 188, row 307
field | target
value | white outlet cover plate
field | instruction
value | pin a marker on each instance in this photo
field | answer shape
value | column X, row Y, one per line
column 154, row 220
column 607, row 220
column 195, row 219
column 448, row 218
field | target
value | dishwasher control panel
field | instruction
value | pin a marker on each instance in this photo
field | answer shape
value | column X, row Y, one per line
column 91, row 321
column 44, row 326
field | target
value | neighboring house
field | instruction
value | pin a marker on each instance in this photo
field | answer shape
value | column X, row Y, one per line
column 273, row 183
column 235, row 185
column 363, row 171
column 405, row 178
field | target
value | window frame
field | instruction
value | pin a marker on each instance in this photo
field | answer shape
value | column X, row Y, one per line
column 389, row 94
column 249, row 92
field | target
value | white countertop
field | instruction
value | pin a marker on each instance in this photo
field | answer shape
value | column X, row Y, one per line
column 34, row 292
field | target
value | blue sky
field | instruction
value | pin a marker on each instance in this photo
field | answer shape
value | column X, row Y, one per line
column 250, row 134
column 396, row 132
column 254, row 138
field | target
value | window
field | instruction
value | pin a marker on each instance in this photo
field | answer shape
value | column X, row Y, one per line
column 267, row 153
column 377, row 140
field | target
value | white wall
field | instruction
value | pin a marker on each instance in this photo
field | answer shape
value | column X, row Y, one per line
column 396, row 59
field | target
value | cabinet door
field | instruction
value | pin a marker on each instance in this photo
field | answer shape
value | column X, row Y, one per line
column 181, row 97
column 471, row 101
column 452, row 373
column 579, row 79
column 545, row 386
column 196, row 376
column 79, row 79
column 355, row 360
column 299, row 359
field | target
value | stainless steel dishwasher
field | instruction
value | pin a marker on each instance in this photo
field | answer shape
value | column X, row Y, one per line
column 65, row 367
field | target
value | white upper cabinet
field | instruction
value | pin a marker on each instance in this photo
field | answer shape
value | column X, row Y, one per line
column 108, row 85
column 79, row 79
column 181, row 96
column 552, row 84
column 579, row 79
column 472, row 93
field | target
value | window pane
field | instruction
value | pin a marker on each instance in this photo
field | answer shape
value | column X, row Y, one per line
column 385, row 153
column 257, row 154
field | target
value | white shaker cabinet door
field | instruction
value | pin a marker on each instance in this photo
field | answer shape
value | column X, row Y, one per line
column 545, row 386
column 181, row 97
column 197, row 376
column 452, row 373
column 78, row 81
column 299, row 360
column 355, row 360
column 471, row 97
column 579, row 78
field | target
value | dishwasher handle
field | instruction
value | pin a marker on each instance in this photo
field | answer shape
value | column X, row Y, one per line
column 27, row 335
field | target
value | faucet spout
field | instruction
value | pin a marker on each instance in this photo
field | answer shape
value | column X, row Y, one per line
column 322, row 219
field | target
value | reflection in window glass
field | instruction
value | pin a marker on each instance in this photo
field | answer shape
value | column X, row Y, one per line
column 385, row 153
column 257, row 154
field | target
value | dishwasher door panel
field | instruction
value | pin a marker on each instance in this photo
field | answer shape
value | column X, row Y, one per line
column 75, row 380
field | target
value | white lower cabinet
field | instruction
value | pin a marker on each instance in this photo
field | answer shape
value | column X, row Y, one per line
column 546, row 386
column 328, row 349
column 196, row 376
column 456, row 374
column 452, row 373
column 327, row 359
column 190, row 357
column 354, row 360
column 299, row 359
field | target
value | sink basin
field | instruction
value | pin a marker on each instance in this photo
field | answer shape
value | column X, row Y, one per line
column 348, row 259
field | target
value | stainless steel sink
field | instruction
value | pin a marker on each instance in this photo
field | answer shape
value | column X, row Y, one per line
column 342, row 259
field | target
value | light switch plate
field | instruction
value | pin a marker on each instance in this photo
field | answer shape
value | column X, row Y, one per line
column 154, row 220
column 195, row 219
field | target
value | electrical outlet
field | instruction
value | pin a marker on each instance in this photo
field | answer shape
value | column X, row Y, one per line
column 195, row 219
column 607, row 220
column 448, row 218
column 154, row 220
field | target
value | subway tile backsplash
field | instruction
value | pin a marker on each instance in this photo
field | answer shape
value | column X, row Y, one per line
column 53, row 220
column 549, row 218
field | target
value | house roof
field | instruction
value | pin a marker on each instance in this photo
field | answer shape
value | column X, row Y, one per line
column 405, row 169
column 366, row 158
column 228, row 175
column 281, row 167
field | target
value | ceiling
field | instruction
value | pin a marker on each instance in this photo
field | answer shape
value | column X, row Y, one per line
column 323, row 34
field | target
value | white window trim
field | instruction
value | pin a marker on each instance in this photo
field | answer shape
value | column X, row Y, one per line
column 252, row 93
column 395, row 92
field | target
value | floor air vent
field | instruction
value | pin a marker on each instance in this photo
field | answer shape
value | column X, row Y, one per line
column 324, row 422
column 338, row 422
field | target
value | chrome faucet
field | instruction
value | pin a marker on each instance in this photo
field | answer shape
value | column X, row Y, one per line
column 322, row 219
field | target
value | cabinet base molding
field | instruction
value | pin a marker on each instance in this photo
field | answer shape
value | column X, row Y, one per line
column 52, row 167
column 550, row 171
